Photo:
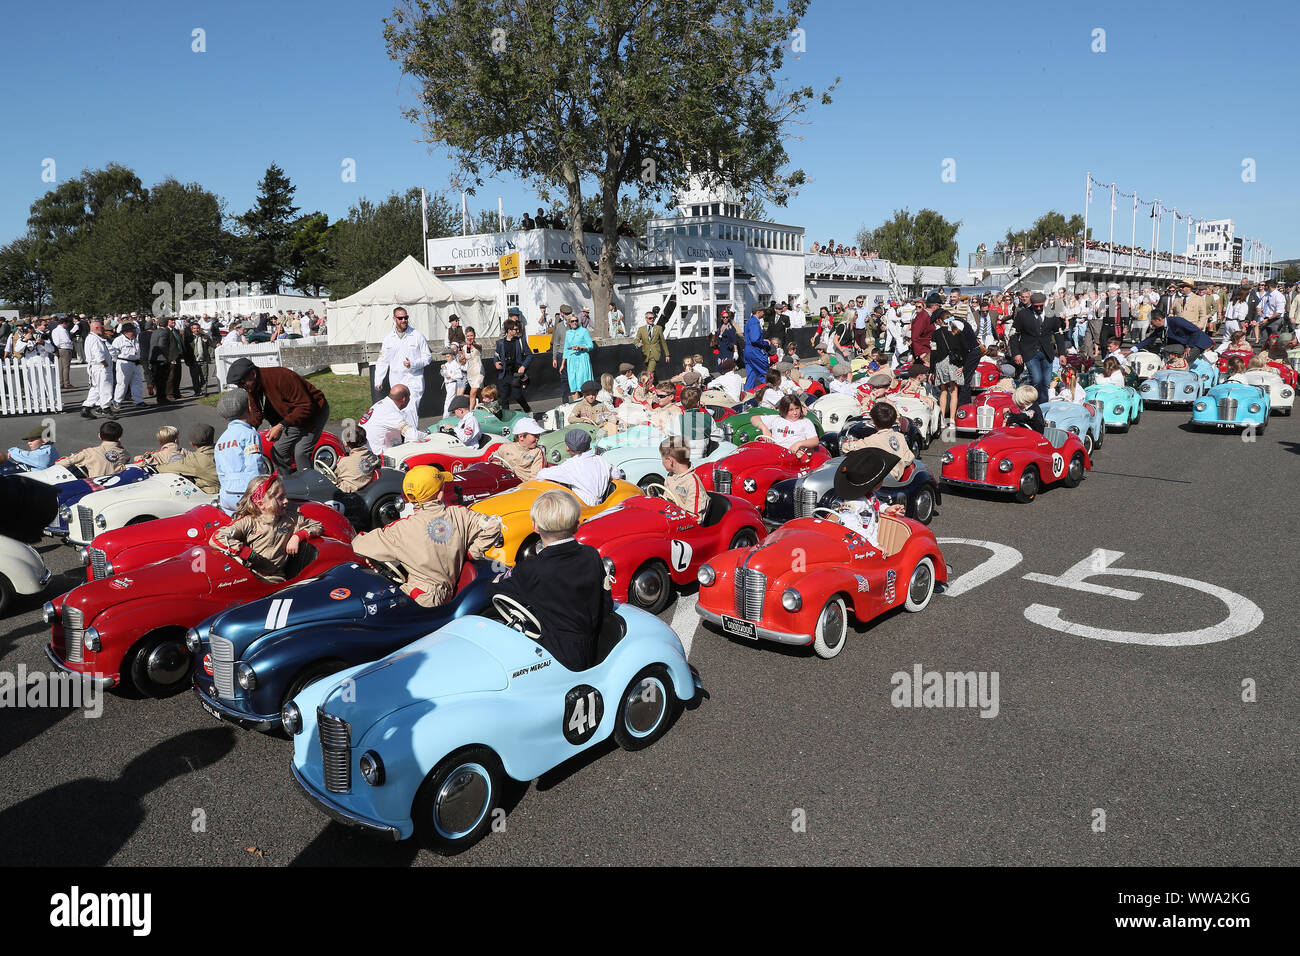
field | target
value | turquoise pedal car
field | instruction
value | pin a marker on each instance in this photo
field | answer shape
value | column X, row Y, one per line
column 1121, row 406
column 1232, row 405
column 425, row 740
column 489, row 423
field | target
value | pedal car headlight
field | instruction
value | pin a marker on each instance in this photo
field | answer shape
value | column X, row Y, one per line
column 1200, row 406
column 192, row 642
column 706, row 575
column 291, row 718
column 961, row 413
column 1255, row 407
column 1146, row 386
column 1119, row 409
column 48, row 613
column 372, row 768
column 65, row 512
column 791, row 600
column 1004, row 465
column 946, row 457
column 773, row 496
column 83, row 554
column 101, row 522
column 1074, row 429
column 1188, row 389
column 92, row 641
column 244, row 674
column 1286, row 393
column 609, row 567
column 555, row 456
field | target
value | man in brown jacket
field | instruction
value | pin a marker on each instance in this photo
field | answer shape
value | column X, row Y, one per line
column 1188, row 305
column 430, row 544
column 294, row 406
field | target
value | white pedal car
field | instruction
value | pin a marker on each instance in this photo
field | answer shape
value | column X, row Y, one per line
column 1145, row 364
column 927, row 419
column 1281, row 396
column 158, row 496
column 22, row 572
column 835, row 409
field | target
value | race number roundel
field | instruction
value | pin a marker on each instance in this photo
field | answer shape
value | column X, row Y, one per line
column 680, row 554
column 583, row 709
column 1058, row 464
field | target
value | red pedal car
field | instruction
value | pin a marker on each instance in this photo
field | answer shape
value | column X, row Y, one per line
column 130, row 629
column 1288, row 374
column 123, row 550
column 329, row 449
column 986, row 376
column 752, row 470
column 650, row 546
column 479, row 481
column 800, row 585
column 442, row 451
column 986, row 413
column 1017, row 460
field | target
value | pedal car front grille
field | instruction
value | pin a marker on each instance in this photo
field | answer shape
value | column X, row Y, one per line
column 86, row 518
column 223, row 666
column 73, row 633
column 984, row 418
column 335, row 751
column 1168, row 390
column 722, row 481
column 98, row 564
column 1228, row 409
column 977, row 464
column 804, row 503
column 751, row 589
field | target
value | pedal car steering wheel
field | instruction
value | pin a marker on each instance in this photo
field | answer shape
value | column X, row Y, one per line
column 323, row 467
column 831, row 513
column 389, row 569
column 661, row 490
column 516, row 616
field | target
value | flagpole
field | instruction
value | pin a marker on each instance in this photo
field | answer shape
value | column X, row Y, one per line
column 1111, row 240
column 464, row 214
column 1087, row 201
column 1156, row 216
column 501, row 216
column 1134, row 241
column 424, row 221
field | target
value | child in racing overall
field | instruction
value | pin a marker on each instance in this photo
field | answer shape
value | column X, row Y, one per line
column 685, row 489
column 265, row 534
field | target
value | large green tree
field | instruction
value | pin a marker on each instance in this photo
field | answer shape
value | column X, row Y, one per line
column 311, row 252
column 22, row 282
column 597, row 97
column 1050, row 224
column 269, row 228
column 926, row 239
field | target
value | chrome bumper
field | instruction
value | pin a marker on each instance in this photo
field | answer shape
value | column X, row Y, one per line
column 986, row 485
column 780, row 637
column 93, row 678
column 346, row 817
column 225, row 712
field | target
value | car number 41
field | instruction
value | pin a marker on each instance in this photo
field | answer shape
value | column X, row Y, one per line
column 583, row 710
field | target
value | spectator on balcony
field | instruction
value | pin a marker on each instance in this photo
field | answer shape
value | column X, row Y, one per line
column 527, row 222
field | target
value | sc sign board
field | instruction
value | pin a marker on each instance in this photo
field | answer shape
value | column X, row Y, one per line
column 508, row 266
column 693, row 292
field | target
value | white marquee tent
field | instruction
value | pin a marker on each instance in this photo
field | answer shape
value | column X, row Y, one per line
column 367, row 316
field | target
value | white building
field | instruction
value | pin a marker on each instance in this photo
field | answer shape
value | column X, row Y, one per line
column 1213, row 241
column 705, row 257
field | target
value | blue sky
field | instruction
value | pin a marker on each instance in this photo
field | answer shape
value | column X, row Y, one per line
column 1012, row 92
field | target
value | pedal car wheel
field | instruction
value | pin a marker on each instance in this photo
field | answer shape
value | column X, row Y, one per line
column 266, row 465
column 160, row 664
column 528, row 548
column 6, row 595
column 310, row 675
column 386, row 510
column 649, row 480
column 924, row 509
column 1073, row 472
column 650, row 588
column 1028, row 489
column 832, row 627
column 646, row 710
column 920, row 588
column 1087, row 442
column 744, row 538
column 453, row 807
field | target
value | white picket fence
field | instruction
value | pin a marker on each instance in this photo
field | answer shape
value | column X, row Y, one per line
column 29, row 387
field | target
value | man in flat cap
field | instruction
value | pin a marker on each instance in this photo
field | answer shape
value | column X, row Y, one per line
column 1035, row 341
column 296, row 409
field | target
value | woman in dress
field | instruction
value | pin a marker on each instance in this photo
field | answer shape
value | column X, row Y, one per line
column 577, row 356
column 471, row 356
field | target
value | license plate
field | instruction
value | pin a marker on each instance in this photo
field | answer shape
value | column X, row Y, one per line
column 739, row 628
column 209, row 708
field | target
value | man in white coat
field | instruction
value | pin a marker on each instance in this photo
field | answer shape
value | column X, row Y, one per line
column 391, row 421
column 99, row 365
column 403, row 356
column 126, row 354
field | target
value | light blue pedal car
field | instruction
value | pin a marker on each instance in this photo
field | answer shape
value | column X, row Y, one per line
column 425, row 740
column 1174, row 387
column 1121, row 406
column 1086, row 421
column 1232, row 405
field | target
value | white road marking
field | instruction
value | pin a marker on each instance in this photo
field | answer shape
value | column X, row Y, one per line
column 1243, row 614
column 1002, row 559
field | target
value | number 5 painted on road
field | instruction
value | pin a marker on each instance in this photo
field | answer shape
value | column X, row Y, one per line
column 1243, row 614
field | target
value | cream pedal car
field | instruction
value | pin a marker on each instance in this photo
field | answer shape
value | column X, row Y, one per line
column 835, row 409
column 158, row 496
column 926, row 418
column 22, row 572
column 443, row 451
column 1144, row 364
column 1281, row 396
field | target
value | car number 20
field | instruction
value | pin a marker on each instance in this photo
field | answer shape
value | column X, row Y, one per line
column 583, row 709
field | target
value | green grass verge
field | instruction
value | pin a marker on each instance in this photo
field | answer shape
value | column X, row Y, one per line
column 348, row 395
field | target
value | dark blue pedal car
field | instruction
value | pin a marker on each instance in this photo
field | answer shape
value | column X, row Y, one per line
column 256, row 657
